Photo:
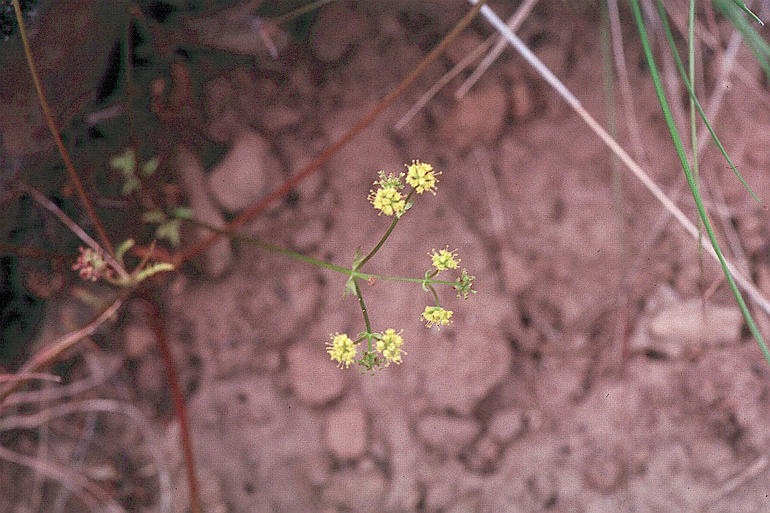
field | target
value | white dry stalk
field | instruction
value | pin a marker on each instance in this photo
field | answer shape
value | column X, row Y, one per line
column 87, row 492
column 103, row 405
column 515, row 22
column 625, row 85
column 640, row 173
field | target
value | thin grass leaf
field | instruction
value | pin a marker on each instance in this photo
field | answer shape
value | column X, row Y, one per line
column 694, row 98
column 690, row 178
column 743, row 7
column 753, row 40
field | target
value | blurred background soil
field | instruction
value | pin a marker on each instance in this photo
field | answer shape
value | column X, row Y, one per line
column 603, row 365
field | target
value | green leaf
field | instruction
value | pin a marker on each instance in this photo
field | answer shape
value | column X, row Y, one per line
column 125, row 162
column 183, row 213
column 350, row 287
column 122, row 248
column 130, row 185
column 664, row 107
column 154, row 217
column 169, row 231
column 149, row 167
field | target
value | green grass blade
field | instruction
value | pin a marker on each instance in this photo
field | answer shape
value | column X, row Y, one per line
column 694, row 98
column 690, row 178
column 753, row 40
column 743, row 7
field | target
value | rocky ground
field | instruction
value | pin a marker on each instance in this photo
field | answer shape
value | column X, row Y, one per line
column 589, row 374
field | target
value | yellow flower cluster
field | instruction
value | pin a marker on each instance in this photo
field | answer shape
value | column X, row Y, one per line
column 389, row 345
column 388, row 198
column 421, row 177
column 342, row 349
column 444, row 259
column 436, row 315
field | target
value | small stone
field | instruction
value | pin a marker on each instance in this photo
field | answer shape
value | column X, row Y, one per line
column 220, row 110
column 137, row 339
column 218, row 257
column 246, row 174
column 686, row 321
column 478, row 117
column 485, row 453
column 515, row 272
column 465, row 369
column 150, row 376
column 313, row 377
column 449, row 434
column 336, row 29
column 603, row 472
column 356, row 489
column 279, row 117
column 506, row 425
column 345, row 435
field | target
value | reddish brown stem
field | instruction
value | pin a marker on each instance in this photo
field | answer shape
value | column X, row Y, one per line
column 177, row 397
column 57, row 138
column 250, row 213
column 26, row 252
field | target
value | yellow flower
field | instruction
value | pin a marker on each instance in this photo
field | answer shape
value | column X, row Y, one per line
column 388, row 200
column 436, row 315
column 421, row 176
column 341, row 349
column 389, row 345
column 444, row 259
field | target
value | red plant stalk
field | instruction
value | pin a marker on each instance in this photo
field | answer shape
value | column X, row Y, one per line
column 57, row 138
column 177, row 397
column 255, row 210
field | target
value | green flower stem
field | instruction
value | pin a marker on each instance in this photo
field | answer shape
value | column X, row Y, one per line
column 435, row 296
column 688, row 172
column 384, row 237
column 363, row 311
column 315, row 261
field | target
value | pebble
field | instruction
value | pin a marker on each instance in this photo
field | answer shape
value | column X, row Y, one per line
column 478, row 117
column 313, row 377
column 345, row 435
column 224, row 121
column 356, row 489
column 218, row 257
column 138, row 338
column 516, row 274
column 246, row 174
column 449, row 434
column 464, row 370
column 506, row 425
column 679, row 327
column 603, row 472
column 336, row 29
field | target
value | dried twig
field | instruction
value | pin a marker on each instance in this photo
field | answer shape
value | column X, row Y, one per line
column 637, row 170
column 79, row 486
column 177, row 397
column 74, row 227
column 514, row 23
column 51, row 352
column 55, row 132
column 103, row 405
column 255, row 210
column 98, row 375
column 452, row 73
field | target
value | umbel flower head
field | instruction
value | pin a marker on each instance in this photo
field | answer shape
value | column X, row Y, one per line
column 341, row 349
column 436, row 315
column 444, row 259
column 389, row 345
column 388, row 198
column 421, row 176
column 91, row 265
